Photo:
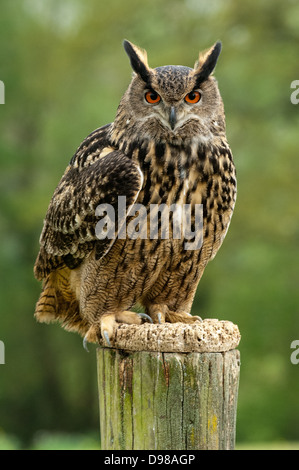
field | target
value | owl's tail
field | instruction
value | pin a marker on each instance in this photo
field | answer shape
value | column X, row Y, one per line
column 46, row 307
column 57, row 302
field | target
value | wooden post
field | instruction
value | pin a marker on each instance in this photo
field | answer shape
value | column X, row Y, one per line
column 170, row 387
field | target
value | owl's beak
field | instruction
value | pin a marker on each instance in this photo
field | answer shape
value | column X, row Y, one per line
column 172, row 117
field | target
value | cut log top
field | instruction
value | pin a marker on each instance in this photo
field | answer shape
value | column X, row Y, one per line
column 210, row 335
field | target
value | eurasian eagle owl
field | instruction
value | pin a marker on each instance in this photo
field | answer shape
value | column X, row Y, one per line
column 166, row 148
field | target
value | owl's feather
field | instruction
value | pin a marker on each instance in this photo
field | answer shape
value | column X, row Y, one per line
column 97, row 174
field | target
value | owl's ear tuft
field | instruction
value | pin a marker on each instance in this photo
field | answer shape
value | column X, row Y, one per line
column 206, row 63
column 138, row 59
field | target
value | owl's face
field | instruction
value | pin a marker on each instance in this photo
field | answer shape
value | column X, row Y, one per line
column 173, row 103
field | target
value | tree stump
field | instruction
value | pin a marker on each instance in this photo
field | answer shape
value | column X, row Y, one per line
column 169, row 387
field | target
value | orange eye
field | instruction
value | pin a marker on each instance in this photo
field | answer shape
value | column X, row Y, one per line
column 193, row 97
column 152, row 97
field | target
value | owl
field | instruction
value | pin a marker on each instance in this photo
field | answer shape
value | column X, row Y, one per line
column 167, row 148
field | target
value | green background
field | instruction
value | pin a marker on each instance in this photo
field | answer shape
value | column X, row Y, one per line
column 64, row 71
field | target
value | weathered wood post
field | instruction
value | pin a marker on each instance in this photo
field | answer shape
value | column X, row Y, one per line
column 170, row 386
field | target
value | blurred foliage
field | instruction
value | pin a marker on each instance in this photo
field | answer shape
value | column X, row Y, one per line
column 64, row 72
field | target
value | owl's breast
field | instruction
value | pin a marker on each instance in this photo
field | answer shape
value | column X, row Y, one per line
column 196, row 185
column 176, row 226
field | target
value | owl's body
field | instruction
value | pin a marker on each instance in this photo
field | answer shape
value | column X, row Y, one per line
column 167, row 145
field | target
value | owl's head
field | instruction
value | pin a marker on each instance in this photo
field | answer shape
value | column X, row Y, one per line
column 172, row 103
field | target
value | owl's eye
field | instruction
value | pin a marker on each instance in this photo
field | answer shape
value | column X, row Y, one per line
column 193, row 97
column 152, row 97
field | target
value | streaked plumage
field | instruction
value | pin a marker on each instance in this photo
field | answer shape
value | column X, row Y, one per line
column 172, row 151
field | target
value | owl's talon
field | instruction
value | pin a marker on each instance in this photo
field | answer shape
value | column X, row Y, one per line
column 85, row 342
column 106, row 336
column 195, row 317
column 145, row 317
column 159, row 318
column 198, row 318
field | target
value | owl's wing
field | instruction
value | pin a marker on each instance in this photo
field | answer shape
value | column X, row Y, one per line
column 69, row 231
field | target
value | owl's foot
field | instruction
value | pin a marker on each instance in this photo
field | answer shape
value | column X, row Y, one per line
column 162, row 314
column 109, row 323
column 183, row 317
column 157, row 312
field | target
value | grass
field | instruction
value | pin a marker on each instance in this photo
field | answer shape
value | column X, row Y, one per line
column 44, row 440
column 279, row 445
